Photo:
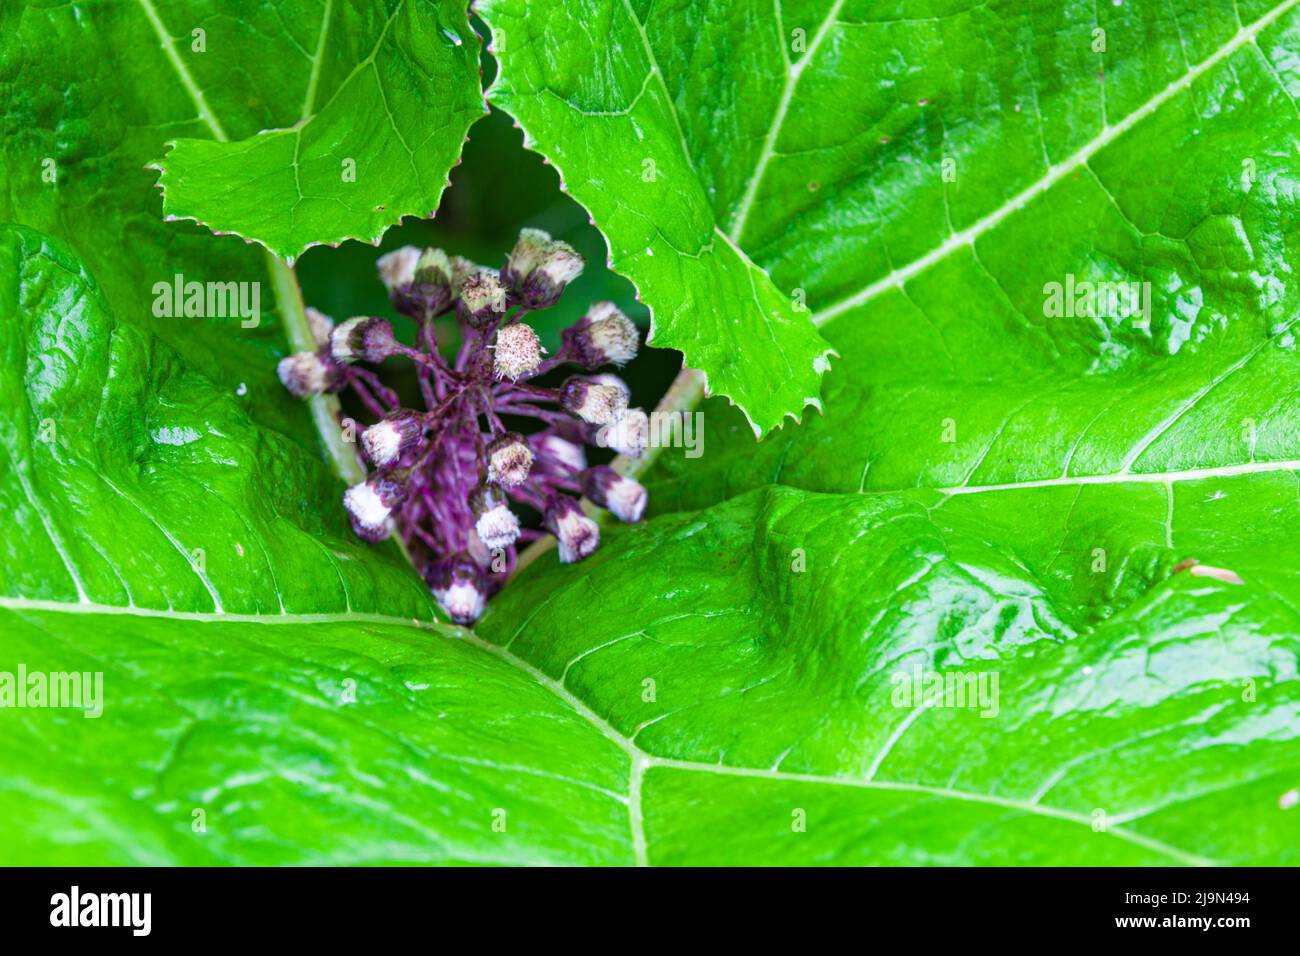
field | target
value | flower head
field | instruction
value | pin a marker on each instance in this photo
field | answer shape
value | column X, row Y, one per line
column 625, row 498
column 496, row 525
column 386, row 441
column 593, row 402
column 577, row 535
column 509, row 460
column 482, row 299
column 518, row 351
column 370, row 504
column 604, row 336
column 446, row 475
column 363, row 338
column 457, row 585
column 629, row 434
column 558, row 452
column 308, row 373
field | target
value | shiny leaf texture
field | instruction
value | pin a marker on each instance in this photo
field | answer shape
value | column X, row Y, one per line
column 1003, row 498
column 385, row 95
column 638, row 134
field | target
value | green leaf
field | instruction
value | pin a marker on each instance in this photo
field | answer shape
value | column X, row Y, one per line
column 994, row 489
column 605, row 93
column 388, row 91
column 258, row 663
column 752, row 657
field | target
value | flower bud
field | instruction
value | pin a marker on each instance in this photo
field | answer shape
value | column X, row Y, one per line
column 308, row 373
column 609, row 378
column 624, row 497
column 386, row 441
column 560, row 265
column 577, row 535
column 518, row 351
column 370, row 504
column 628, row 435
column 603, row 336
column 458, row 587
column 462, row 269
column 495, row 523
column 524, row 258
column 363, row 338
column 397, row 268
column 321, row 325
column 509, row 460
column 560, row 451
column 593, row 402
column 482, row 299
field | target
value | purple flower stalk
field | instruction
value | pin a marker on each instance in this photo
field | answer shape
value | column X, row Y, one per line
column 444, row 477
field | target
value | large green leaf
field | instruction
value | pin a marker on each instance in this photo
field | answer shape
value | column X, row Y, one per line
column 609, row 95
column 717, row 685
column 386, row 94
column 749, row 654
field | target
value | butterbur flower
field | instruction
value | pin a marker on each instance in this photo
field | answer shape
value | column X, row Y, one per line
column 559, row 266
column 447, row 475
column 397, row 268
column 624, row 498
column 577, row 535
column 557, row 451
column 604, row 336
column 518, row 351
column 593, row 402
column 386, row 441
column 321, row 326
column 306, row 374
column 524, row 258
column 509, row 460
column 496, row 525
column 482, row 299
column 363, row 339
column 457, row 585
column 629, row 434
column 370, row 504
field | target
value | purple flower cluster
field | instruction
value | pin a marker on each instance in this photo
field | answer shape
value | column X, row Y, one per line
column 445, row 476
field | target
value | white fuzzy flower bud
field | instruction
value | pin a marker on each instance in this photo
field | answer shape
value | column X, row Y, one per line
column 459, row 590
column 305, row 374
column 603, row 336
column 518, row 351
column 363, row 338
column 509, row 460
column 384, row 442
column 482, row 299
column 592, row 401
column 577, row 535
column 629, row 434
column 397, row 268
column 321, row 326
column 525, row 257
column 560, row 451
column 370, row 504
column 623, row 497
column 496, row 525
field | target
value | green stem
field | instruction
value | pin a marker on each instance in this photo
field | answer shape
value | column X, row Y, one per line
column 324, row 408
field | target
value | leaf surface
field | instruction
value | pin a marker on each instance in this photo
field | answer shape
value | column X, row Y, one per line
column 603, row 92
column 388, row 92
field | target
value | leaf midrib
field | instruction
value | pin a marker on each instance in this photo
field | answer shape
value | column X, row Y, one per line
column 1055, row 173
column 640, row 760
